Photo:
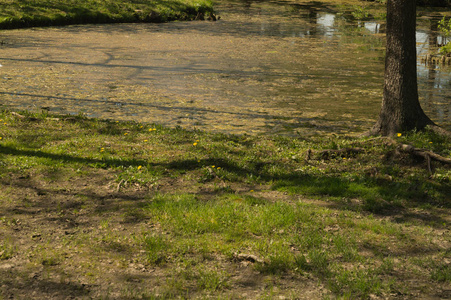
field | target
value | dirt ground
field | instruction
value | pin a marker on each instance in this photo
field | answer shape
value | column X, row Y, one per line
column 75, row 240
column 62, row 248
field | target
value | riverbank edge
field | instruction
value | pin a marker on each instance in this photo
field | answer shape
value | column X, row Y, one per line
column 17, row 15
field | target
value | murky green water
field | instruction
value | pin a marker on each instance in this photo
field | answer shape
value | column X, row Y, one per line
column 263, row 68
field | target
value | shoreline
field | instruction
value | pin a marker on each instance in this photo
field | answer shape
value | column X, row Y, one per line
column 46, row 13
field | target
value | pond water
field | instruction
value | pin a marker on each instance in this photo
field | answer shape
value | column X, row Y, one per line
column 264, row 68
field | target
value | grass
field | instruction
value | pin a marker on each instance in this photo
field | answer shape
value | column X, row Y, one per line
column 163, row 213
column 101, row 209
column 28, row 13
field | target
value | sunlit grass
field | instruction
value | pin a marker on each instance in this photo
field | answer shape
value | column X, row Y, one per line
column 198, row 213
column 26, row 13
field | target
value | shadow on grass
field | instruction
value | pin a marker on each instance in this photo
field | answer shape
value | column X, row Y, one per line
column 106, row 162
column 17, row 285
column 378, row 196
column 126, row 204
column 65, row 201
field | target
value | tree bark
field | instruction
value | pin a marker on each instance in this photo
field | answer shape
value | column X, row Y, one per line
column 401, row 110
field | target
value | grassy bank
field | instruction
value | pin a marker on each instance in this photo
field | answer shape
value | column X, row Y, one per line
column 28, row 13
column 104, row 209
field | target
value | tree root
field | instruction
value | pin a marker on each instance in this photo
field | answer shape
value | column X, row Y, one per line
column 439, row 130
column 427, row 155
column 431, row 127
column 331, row 153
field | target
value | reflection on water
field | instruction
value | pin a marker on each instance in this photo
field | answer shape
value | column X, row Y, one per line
column 264, row 68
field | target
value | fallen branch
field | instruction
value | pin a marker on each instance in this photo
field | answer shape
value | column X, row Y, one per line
column 247, row 257
column 17, row 115
column 119, row 185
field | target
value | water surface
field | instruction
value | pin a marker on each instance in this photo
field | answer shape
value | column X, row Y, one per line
column 264, row 68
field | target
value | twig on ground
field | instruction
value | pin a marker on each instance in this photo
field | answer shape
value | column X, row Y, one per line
column 17, row 115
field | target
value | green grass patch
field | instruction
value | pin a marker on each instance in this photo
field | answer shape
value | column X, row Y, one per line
column 7, row 249
column 28, row 13
column 191, row 214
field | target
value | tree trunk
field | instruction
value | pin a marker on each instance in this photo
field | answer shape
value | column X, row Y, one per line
column 401, row 110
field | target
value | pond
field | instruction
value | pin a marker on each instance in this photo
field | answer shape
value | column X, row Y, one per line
column 264, row 68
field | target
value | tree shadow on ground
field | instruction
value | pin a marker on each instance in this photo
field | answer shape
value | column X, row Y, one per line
column 17, row 285
column 380, row 196
column 59, row 204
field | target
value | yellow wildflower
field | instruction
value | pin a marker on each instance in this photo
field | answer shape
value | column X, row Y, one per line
column 212, row 166
column 399, row 134
column 126, row 133
column 194, row 144
column 219, row 168
column 139, row 167
column 145, row 140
